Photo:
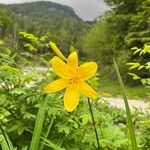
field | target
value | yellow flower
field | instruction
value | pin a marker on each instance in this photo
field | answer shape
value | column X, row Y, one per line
column 73, row 78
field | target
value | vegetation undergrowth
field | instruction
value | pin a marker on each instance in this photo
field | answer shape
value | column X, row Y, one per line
column 22, row 96
column 111, row 88
column 34, row 116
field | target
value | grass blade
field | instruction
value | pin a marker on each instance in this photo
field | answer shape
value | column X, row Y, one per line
column 47, row 133
column 48, row 142
column 38, row 125
column 6, row 144
column 3, row 143
column 9, row 142
column 129, row 117
column 52, row 145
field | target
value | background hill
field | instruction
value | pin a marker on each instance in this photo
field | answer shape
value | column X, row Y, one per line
column 58, row 22
column 42, row 9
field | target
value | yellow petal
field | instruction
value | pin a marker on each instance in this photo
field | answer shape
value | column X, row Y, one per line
column 72, row 61
column 71, row 98
column 57, row 51
column 60, row 68
column 87, row 90
column 56, row 85
column 87, row 70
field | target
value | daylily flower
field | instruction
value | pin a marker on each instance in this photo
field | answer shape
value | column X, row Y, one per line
column 56, row 50
column 73, row 78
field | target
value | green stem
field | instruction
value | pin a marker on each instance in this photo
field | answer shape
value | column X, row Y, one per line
column 95, row 130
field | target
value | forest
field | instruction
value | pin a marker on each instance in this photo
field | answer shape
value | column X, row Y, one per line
column 41, row 45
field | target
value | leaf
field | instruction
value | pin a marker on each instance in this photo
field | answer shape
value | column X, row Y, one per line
column 21, row 130
column 147, row 65
column 133, row 65
column 1, row 42
column 24, row 148
column 129, row 117
column 144, row 81
column 104, row 143
column 24, row 34
column 30, row 47
column 138, row 50
column 139, row 68
column 48, row 142
column 44, row 61
column 29, row 116
column 9, row 142
column 8, row 51
column 5, row 141
column 134, row 76
column 72, row 49
column 10, row 69
column 85, row 119
column 38, row 125
column 18, row 91
column 27, row 54
column 134, row 48
column 47, row 133
column 14, row 55
column 52, row 145
column 75, row 124
column 146, row 49
column 64, row 129
column 43, row 38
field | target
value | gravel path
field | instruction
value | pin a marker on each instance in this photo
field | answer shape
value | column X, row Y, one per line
column 119, row 103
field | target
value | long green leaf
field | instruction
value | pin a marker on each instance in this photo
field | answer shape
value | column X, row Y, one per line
column 3, row 143
column 9, row 142
column 48, row 142
column 129, row 117
column 38, row 125
column 47, row 133
column 52, row 145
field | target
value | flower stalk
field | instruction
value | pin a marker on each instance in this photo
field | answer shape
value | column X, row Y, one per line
column 94, row 125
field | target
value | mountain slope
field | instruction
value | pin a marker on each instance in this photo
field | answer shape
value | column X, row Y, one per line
column 56, row 21
column 42, row 9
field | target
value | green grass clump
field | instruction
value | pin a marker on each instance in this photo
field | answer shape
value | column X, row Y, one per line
column 111, row 88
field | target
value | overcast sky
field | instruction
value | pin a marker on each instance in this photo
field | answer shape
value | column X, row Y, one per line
column 86, row 9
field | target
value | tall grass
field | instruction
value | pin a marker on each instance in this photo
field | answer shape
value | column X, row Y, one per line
column 129, row 117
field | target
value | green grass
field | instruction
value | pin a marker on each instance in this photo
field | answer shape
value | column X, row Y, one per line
column 112, row 89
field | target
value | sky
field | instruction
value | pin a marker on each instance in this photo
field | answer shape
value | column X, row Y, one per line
column 86, row 9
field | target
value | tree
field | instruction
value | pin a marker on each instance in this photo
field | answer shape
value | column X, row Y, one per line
column 126, row 25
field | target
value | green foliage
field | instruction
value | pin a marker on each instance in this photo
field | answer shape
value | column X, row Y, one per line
column 6, row 22
column 126, row 25
column 139, row 32
column 21, row 96
column 144, row 64
column 145, row 136
column 22, row 85
column 56, row 21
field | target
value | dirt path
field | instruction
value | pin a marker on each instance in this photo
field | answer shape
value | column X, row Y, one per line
column 116, row 102
column 119, row 103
